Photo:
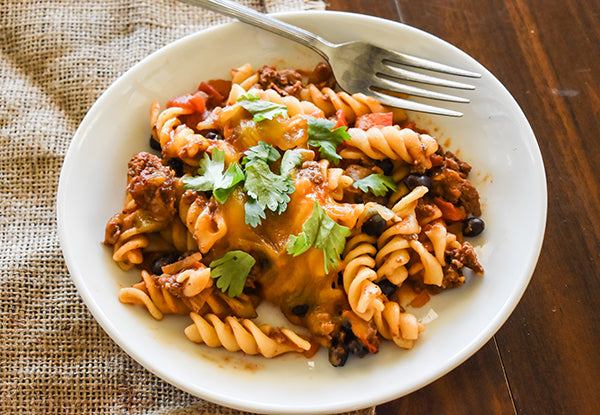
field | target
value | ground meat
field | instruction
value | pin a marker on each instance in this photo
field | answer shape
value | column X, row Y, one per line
column 464, row 257
column 357, row 172
column 452, row 277
column 152, row 186
column 450, row 161
column 169, row 282
column 285, row 82
column 322, row 76
column 426, row 211
column 449, row 180
column 457, row 190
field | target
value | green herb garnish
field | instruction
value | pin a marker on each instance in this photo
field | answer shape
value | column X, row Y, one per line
column 290, row 160
column 265, row 189
column 378, row 184
column 254, row 214
column 261, row 109
column 321, row 135
column 211, row 177
column 270, row 190
column 231, row 271
column 321, row 232
column 261, row 151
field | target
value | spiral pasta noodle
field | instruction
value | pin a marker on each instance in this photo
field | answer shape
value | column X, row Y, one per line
column 127, row 237
column 393, row 143
column 178, row 235
column 157, row 300
column 330, row 101
column 337, row 181
column 127, row 250
column 397, row 325
column 203, row 220
column 392, row 256
column 244, row 76
column 243, row 334
column 330, row 206
column 364, row 295
column 178, row 140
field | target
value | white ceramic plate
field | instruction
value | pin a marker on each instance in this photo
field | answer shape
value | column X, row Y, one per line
column 493, row 136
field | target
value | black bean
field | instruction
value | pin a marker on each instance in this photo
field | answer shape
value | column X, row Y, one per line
column 338, row 354
column 414, row 180
column 346, row 326
column 211, row 135
column 374, row 226
column 176, row 165
column 473, row 226
column 300, row 310
column 387, row 287
column 352, row 344
column 386, row 165
column 154, row 145
column 357, row 347
column 340, row 279
column 160, row 262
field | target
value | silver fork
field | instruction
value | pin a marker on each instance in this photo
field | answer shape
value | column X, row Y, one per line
column 360, row 66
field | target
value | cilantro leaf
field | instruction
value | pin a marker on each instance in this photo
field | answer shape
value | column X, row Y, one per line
column 261, row 151
column 321, row 232
column 231, row 271
column 320, row 134
column 261, row 109
column 254, row 214
column 378, row 184
column 269, row 189
column 210, row 172
column 233, row 175
column 290, row 160
column 211, row 177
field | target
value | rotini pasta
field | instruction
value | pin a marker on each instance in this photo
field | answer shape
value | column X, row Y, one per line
column 178, row 140
column 242, row 334
column 395, row 143
column 203, row 220
column 337, row 182
column 359, row 275
column 157, row 300
column 274, row 186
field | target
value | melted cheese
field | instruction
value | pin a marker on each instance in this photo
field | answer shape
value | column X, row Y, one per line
column 280, row 278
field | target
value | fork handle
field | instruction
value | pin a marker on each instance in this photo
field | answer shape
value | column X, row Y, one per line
column 263, row 21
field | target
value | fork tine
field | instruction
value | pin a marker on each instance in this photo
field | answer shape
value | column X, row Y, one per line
column 386, row 84
column 399, row 73
column 412, row 105
column 416, row 62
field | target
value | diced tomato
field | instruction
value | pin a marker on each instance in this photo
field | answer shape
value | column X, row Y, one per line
column 222, row 86
column 340, row 119
column 376, row 119
column 449, row 211
column 196, row 102
column 214, row 96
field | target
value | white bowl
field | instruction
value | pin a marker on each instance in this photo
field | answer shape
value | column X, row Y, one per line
column 493, row 136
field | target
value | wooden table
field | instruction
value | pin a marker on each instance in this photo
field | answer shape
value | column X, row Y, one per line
column 546, row 358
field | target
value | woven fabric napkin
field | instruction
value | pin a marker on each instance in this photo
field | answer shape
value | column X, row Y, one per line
column 56, row 58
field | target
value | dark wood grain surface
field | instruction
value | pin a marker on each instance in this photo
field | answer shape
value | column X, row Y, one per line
column 546, row 357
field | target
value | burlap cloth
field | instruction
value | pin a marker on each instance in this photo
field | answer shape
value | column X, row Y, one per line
column 56, row 59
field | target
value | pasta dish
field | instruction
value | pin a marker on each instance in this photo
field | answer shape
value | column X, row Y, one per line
column 274, row 187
